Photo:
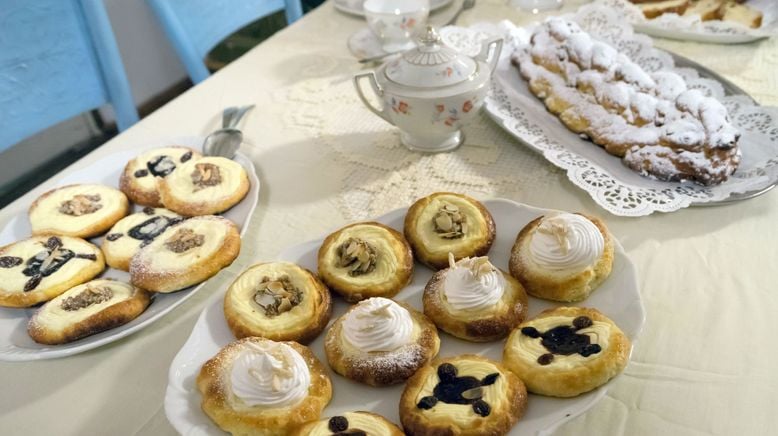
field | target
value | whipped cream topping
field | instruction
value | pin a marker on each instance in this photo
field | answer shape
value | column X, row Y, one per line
column 566, row 242
column 378, row 324
column 270, row 374
column 473, row 284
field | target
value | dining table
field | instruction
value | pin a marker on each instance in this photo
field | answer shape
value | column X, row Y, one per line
column 704, row 363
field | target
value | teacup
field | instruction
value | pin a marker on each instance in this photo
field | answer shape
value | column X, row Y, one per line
column 395, row 22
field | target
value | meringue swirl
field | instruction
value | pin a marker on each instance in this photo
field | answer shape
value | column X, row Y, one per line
column 566, row 242
column 378, row 324
column 269, row 374
column 473, row 284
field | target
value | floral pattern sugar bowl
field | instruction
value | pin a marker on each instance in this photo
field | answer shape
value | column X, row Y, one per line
column 431, row 91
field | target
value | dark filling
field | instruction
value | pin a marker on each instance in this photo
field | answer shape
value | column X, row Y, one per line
column 563, row 340
column 459, row 390
column 49, row 261
column 184, row 240
column 205, row 175
column 186, row 156
column 161, row 166
column 141, row 173
column 148, row 210
column 113, row 236
column 338, row 424
column 81, row 205
column 10, row 261
column 86, row 298
column 151, row 228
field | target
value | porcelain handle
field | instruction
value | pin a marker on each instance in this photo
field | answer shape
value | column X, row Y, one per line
column 495, row 53
column 376, row 89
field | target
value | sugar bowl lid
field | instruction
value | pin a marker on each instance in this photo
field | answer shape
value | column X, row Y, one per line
column 432, row 64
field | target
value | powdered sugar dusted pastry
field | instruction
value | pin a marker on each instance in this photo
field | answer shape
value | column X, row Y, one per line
column 279, row 301
column 186, row 254
column 562, row 257
column 81, row 211
column 87, row 309
column 474, row 300
column 444, row 223
column 40, row 268
column 365, row 260
column 139, row 179
column 256, row 386
column 350, row 423
column 133, row 232
column 380, row 342
column 566, row 351
column 463, row 395
column 204, row 186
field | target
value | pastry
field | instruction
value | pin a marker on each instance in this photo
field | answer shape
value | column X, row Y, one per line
column 656, row 8
column 743, row 14
column 350, row 424
column 40, row 268
column 444, row 223
column 562, row 257
column 204, row 186
column 87, row 309
column 658, row 126
column 566, row 351
column 724, row 10
column 133, row 232
column 365, row 260
column 474, row 301
column 81, row 211
column 464, row 395
column 380, row 342
column 185, row 254
column 705, row 9
column 256, row 386
column 139, row 179
column 279, row 301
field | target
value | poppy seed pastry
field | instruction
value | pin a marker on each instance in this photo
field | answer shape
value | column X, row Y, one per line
column 133, row 232
column 464, row 395
column 255, row 386
column 566, row 351
column 87, row 309
column 279, row 301
column 443, row 223
column 139, row 178
column 81, row 211
column 40, row 268
column 350, row 423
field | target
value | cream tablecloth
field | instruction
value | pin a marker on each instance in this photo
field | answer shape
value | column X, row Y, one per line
column 705, row 363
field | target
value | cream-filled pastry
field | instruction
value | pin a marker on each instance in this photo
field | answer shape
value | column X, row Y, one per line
column 81, row 211
column 133, row 232
column 566, row 351
column 255, row 386
column 351, row 424
column 474, row 300
column 139, row 179
column 562, row 257
column 380, row 342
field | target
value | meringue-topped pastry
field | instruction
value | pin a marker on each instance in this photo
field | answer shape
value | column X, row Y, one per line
column 562, row 257
column 351, row 423
column 380, row 342
column 81, row 211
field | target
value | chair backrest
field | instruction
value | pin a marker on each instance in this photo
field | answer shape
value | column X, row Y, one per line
column 58, row 58
column 194, row 27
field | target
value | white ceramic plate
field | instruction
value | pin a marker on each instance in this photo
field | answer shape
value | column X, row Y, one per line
column 16, row 345
column 618, row 298
column 354, row 7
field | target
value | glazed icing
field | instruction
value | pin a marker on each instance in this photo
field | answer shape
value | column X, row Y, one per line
column 566, row 242
column 473, row 284
column 269, row 374
column 378, row 324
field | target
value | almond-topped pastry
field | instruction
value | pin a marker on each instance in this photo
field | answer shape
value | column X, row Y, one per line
column 351, row 424
column 256, row 386
column 380, row 342
column 139, row 179
column 133, row 232
column 81, row 211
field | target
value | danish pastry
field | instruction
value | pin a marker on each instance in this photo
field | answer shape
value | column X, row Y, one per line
column 365, row 260
column 40, row 268
column 463, row 395
column 87, row 309
column 566, row 351
column 444, row 223
column 139, row 179
column 279, row 301
column 256, row 386
column 351, row 423
column 186, row 254
column 380, row 342
column 474, row 301
column 563, row 257
column 81, row 211
column 133, row 232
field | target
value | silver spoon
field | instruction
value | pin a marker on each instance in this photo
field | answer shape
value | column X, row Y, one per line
column 226, row 141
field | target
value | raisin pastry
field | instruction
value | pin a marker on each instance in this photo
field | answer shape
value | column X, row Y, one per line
column 566, row 351
column 474, row 301
column 204, row 186
column 40, row 268
column 81, row 211
column 133, row 232
column 463, row 395
column 444, row 223
column 255, row 386
column 380, row 342
column 562, row 257
column 139, row 179
column 351, row 424
column 279, row 301
column 365, row 260
column 87, row 309
column 185, row 254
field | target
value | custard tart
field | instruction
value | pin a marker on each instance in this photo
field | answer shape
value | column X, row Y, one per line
column 352, row 424
column 139, row 178
column 81, row 211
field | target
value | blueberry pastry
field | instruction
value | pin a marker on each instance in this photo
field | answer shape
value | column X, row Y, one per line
column 139, row 179
column 351, row 424
column 81, row 211
column 133, row 232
